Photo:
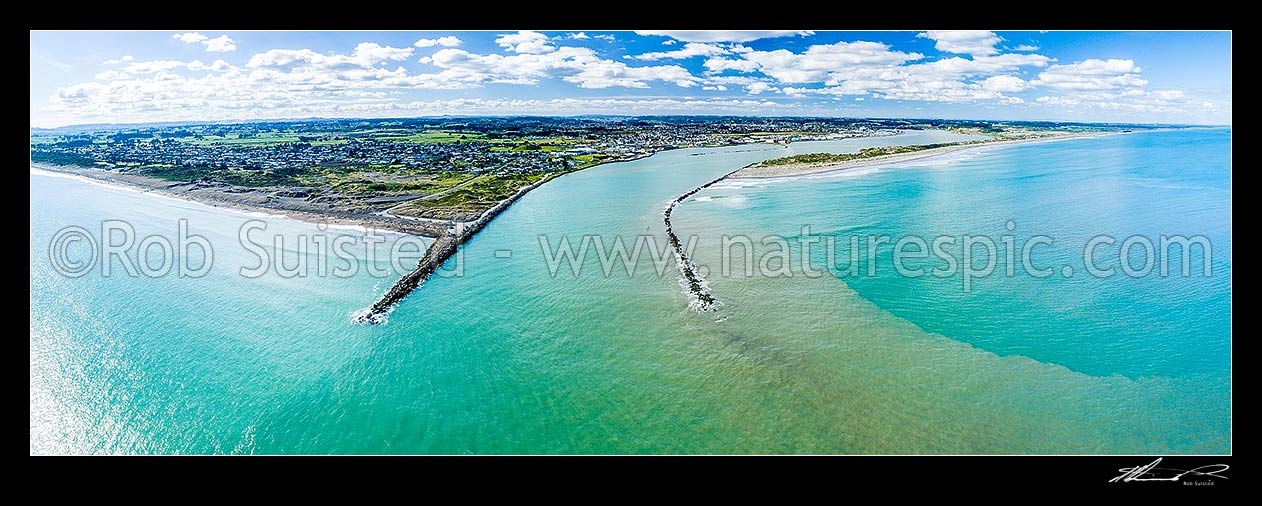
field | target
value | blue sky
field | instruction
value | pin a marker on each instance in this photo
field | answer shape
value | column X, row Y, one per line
column 141, row 76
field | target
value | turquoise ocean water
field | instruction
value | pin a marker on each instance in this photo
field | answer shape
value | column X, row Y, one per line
column 508, row 358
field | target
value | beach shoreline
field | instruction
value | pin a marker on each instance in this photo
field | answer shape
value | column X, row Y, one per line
column 448, row 236
column 221, row 196
column 779, row 171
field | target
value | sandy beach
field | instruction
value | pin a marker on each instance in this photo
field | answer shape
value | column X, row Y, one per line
column 267, row 200
column 802, row 170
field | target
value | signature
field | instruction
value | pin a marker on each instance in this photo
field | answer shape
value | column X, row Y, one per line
column 1151, row 472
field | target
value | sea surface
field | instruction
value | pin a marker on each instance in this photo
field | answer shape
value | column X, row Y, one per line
column 501, row 353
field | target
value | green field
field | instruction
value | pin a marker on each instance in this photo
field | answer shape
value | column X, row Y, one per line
column 472, row 199
column 351, row 180
column 270, row 138
column 433, row 137
column 590, row 160
column 262, row 139
column 329, row 142
column 521, row 147
column 420, row 184
column 237, row 177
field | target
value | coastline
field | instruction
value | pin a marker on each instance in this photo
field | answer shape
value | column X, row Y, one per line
column 448, row 236
column 216, row 197
column 232, row 198
column 803, row 170
column 225, row 196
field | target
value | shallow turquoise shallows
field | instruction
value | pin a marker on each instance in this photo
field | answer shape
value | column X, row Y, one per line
column 509, row 357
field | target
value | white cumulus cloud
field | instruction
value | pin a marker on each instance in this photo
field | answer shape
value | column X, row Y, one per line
column 719, row 65
column 974, row 42
column 373, row 78
column 220, row 44
column 818, row 62
column 690, row 50
column 526, row 41
column 1004, row 84
column 1093, row 74
column 446, row 41
column 189, row 38
column 723, row 35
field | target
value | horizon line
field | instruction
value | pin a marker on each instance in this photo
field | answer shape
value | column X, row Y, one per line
column 578, row 116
